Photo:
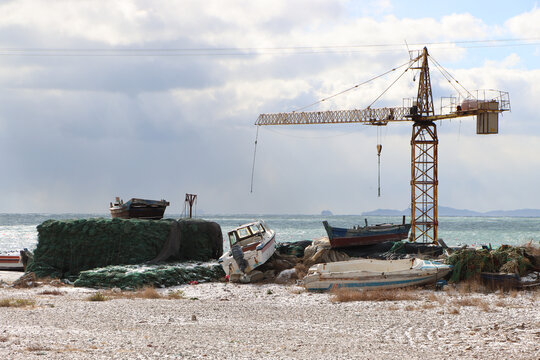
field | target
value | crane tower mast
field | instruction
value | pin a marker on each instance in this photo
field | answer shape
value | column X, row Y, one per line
column 424, row 175
column 424, row 140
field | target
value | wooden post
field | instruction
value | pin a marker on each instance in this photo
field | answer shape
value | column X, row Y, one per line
column 190, row 200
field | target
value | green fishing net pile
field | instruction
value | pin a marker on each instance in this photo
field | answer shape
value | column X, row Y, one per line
column 199, row 239
column 293, row 248
column 137, row 276
column 469, row 263
column 398, row 248
column 67, row 247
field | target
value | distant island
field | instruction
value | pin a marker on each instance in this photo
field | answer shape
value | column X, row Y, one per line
column 326, row 213
column 448, row 211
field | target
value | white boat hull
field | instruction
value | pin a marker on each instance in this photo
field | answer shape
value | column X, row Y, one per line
column 254, row 258
column 374, row 274
column 11, row 261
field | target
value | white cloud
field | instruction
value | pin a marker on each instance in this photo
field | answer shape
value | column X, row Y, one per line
column 81, row 127
column 526, row 25
column 463, row 27
column 510, row 61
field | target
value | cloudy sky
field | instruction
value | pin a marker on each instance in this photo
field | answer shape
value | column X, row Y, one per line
column 156, row 99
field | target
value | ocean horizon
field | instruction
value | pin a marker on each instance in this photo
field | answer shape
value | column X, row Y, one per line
column 18, row 231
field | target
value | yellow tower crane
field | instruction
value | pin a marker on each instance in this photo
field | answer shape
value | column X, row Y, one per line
column 485, row 105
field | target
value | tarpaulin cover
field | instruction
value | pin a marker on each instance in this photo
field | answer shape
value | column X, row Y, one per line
column 67, row 247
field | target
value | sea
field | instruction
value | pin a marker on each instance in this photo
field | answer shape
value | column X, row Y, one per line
column 18, row 231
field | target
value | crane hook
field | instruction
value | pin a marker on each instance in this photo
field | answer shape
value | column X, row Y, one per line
column 379, row 149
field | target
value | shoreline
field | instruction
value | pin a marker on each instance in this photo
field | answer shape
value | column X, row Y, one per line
column 231, row 321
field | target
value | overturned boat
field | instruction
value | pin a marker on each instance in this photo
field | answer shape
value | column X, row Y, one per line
column 366, row 235
column 138, row 208
column 374, row 274
column 251, row 246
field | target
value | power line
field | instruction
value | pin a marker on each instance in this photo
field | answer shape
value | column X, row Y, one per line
column 255, row 51
column 274, row 48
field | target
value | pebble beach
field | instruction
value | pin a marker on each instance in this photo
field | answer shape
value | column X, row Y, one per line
column 235, row 321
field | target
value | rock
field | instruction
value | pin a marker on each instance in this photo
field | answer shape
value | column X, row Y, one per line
column 280, row 265
column 286, row 276
column 323, row 242
column 323, row 255
column 317, row 245
column 256, row 276
column 269, row 274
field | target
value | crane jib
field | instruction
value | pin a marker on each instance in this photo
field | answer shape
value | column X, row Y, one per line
column 368, row 116
column 486, row 105
column 379, row 116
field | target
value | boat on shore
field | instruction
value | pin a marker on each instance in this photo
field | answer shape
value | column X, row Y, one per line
column 11, row 260
column 138, row 208
column 251, row 245
column 374, row 274
column 366, row 235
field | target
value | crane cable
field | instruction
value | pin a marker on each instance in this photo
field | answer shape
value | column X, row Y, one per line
column 379, row 146
column 352, row 87
column 254, row 154
column 392, row 84
column 443, row 71
column 379, row 149
column 447, row 74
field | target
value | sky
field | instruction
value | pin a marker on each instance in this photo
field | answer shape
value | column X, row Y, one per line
column 156, row 99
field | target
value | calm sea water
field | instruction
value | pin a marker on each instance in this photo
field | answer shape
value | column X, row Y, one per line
column 18, row 231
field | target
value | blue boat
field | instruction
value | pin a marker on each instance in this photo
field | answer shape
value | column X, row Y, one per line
column 366, row 235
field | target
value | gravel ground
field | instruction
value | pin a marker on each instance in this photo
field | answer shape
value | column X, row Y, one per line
column 229, row 321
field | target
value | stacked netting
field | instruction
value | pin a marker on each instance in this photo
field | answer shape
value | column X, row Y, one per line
column 67, row 247
column 161, row 275
column 469, row 263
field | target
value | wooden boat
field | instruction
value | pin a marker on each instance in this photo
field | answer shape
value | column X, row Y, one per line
column 495, row 281
column 251, row 246
column 366, row 235
column 374, row 274
column 11, row 261
column 138, row 208
column 505, row 281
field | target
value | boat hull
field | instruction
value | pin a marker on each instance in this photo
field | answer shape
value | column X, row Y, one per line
column 374, row 274
column 11, row 262
column 369, row 235
column 140, row 213
column 503, row 281
column 139, row 209
column 254, row 257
